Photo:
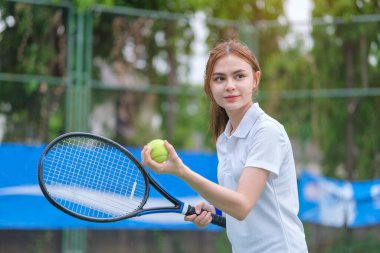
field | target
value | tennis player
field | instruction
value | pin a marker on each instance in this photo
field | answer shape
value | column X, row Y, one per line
column 257, row 190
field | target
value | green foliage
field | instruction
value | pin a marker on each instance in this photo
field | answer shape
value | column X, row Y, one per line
column 38, row 45
column 222, row 245
column 32, row 46
column 191, row 129
column 370, row 244
column 341, row 55
column 83, row 5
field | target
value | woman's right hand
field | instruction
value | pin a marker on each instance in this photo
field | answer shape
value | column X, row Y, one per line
column 202, row 218
column 173, row 165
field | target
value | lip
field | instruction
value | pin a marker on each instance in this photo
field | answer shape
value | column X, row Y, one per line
column 231, row 98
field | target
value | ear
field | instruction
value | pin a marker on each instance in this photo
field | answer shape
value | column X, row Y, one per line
column 256, row 80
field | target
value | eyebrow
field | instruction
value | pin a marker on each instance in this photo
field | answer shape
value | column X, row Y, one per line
column 233, row 73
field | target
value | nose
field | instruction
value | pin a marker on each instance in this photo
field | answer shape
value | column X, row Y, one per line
column 230, row 84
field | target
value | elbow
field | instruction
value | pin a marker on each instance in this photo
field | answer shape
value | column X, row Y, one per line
column 241, row 217
column 242, row 213
column 241, row 208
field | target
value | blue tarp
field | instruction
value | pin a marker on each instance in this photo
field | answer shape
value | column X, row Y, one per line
column 323, row 200
column 22, row 205
column 339, row 203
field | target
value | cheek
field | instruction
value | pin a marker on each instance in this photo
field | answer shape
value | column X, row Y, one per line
column 214, row 91
column 217, row 95
column 248, row 88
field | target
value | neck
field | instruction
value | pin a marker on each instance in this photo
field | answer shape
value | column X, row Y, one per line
column 236, row 116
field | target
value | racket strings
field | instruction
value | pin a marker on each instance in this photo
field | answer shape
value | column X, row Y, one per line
column 93, row 178
column 96, row 176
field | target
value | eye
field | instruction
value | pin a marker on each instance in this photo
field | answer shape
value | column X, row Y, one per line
column 239, row 76
column 218, row 78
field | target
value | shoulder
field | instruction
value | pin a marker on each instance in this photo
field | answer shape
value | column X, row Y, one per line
column 268, row 126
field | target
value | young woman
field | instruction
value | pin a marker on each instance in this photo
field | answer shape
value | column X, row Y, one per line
column 257, row 189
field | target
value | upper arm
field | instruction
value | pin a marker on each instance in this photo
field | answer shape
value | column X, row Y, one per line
column 250, row 186
column 265, row 150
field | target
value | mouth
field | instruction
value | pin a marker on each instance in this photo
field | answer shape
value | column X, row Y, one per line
column 231, row 98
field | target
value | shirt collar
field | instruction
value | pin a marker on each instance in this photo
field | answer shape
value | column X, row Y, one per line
column 246, row 122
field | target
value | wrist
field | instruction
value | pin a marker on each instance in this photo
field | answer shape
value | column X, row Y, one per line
column 184, row 172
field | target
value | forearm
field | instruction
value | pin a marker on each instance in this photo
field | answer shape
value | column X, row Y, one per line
column 230, row 202
column 235, row 203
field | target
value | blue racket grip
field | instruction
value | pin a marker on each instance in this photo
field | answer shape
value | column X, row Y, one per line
column 216, row 219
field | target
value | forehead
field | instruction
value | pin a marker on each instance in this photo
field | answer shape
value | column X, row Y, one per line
column 231, row 63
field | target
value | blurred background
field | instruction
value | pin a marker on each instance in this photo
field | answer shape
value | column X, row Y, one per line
column 133, row 71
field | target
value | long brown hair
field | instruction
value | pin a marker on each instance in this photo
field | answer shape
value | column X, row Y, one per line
column 218, row 115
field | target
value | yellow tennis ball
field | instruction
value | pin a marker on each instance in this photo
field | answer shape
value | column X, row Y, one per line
column 159, row 153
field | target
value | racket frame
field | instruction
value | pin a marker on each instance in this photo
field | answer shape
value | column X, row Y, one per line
column 178, row 206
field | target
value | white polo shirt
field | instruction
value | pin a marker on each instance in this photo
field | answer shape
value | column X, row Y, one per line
column 272, row 225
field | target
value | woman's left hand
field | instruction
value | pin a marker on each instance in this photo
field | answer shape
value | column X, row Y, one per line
column 202, row 218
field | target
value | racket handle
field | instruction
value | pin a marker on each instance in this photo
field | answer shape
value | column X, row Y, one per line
column 216, row 219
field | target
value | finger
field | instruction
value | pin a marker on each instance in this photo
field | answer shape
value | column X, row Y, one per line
column 203, row 219
column 170, row 148
column 145, row 155
column 147, row 160
column 194, row 218
column 200, row 217
column 201, row 206
column 190, row 217
column 207, row 219
column 198, row 209
column 145, row 150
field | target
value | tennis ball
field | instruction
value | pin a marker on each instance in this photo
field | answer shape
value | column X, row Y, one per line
column 159, row 153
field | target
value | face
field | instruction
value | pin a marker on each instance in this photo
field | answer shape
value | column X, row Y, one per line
column 233, row 83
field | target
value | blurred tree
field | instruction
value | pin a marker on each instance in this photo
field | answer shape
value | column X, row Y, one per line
column 32, row 44
column 344, row 55
column 151, row 50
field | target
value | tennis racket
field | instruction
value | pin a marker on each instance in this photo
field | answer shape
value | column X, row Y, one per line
column 96, row 179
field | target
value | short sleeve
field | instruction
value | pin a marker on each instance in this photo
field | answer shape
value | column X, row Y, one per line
column 265, row 148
